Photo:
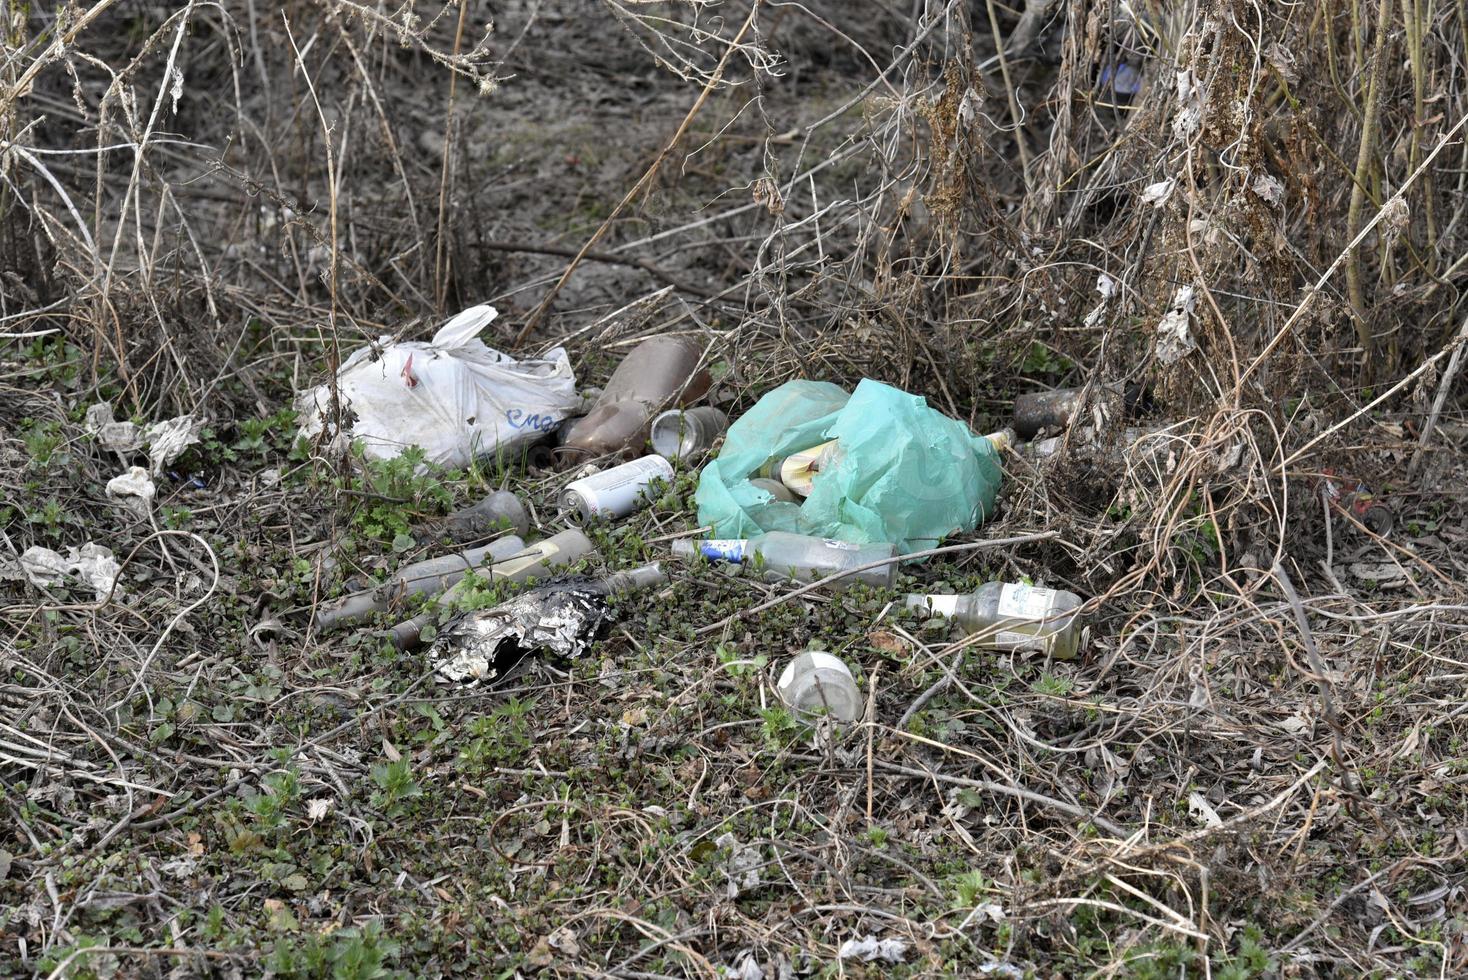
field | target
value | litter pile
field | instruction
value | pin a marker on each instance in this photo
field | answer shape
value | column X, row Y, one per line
column 812, row 484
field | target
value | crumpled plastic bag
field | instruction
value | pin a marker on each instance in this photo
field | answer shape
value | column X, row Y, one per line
column 133, row 490
column 92, row 563
column 454, row 397
column 903, row 472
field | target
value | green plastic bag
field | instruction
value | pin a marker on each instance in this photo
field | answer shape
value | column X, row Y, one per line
column 903, row 472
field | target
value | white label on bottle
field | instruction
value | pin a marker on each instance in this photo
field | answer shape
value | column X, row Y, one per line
column 943, row 605
column 1025, row 602
column 1011, row 640
column 841, row 545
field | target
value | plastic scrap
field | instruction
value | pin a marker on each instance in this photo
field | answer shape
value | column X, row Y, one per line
column 134, row 490
column 905, row 473
column 120, row 437
column 165, row 441
column 454, row 397
column 869, row 949
column 92, row 563
column 168, row 440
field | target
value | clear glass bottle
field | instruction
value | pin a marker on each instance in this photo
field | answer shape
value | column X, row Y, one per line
column 1013, row 617
column 500, row 509
column 806, row 558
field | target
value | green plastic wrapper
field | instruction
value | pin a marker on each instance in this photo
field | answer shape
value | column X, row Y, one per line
column 903, row 472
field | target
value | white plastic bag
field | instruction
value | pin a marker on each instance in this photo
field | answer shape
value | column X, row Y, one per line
column 454, row 396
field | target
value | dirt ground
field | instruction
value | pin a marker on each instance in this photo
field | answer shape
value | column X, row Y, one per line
column 1255, row 767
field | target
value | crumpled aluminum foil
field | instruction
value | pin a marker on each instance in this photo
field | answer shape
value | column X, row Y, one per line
column 481, row 646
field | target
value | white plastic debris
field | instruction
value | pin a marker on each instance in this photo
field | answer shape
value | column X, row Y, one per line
column 870, row 948
column 741, row 868
column 134, row 490
column 120, row 437
column 168, row 440
column 744, row 967
column 1269, row 189
column 1107, row 287
column 92, row 563
column 1174, row 338
column 1189, row 105
column 453, row 396
column 1158, row 193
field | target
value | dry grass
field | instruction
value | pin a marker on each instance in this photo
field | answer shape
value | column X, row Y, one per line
column 202, row 207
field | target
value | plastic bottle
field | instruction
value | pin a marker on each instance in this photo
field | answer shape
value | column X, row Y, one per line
column 802, row 556
column 616, row 492
column 536, row 561
column 500, row 509
column 682, row 432
column 816, row 681
column 775, row 489
column 1013, row 617
column 429, row 577
column 658, row 372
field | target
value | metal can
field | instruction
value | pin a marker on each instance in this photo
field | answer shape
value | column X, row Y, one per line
column 616, row 492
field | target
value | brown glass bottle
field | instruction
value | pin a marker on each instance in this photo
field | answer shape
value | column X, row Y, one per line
column 659, row 372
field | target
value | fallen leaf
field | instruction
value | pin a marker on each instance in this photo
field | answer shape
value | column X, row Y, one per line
column 886, row 642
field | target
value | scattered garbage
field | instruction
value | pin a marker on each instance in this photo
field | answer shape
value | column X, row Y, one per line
column 561, row 618
column 535, row 561
column 454, row 397
column 775, row 489
column 870, row 949
column 1013, row 617
column 92, row 563
column 1174, row 338
column 134, row 490
column 164, row 441
column 903, row 473
column 1360, row 503
column 741, row 866
column 168, row 440
column 798, row 470
column 1039, row 410
column 658, row 372
column 430, row 577
column 119, row 437
column 684, row 432
column 616, row 492
column 1002, row 440
column 782, row 556
column 499, row 510
column 815, row 682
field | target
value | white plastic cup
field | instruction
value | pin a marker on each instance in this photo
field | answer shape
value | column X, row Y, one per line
column 616, row 492
column 816, row 681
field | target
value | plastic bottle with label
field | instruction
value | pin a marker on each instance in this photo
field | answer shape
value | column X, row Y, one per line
column 804, row 557
column 1013, row 617
column 683, row 432
column 616, row 492
column 816, row 681
column 659, row 372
